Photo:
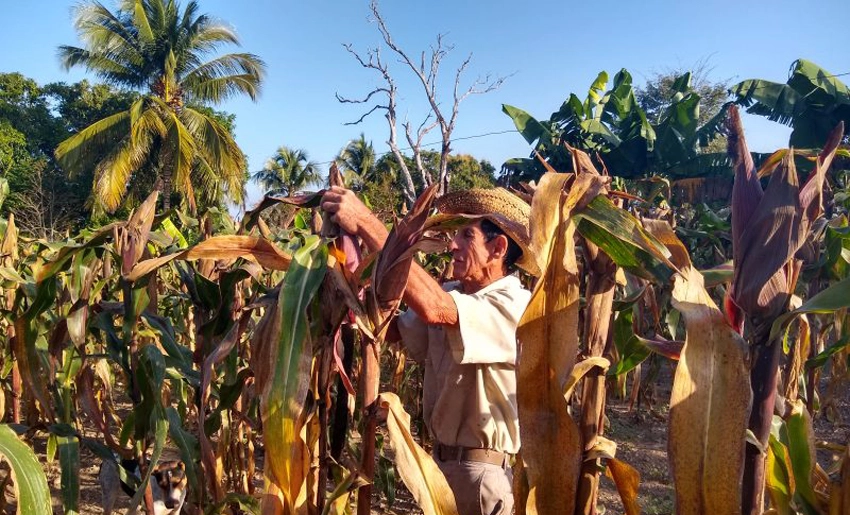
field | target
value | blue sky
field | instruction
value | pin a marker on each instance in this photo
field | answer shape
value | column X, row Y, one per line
column 549, row 48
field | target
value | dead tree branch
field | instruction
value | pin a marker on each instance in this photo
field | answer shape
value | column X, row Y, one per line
column 374, row 62
column 427, row 70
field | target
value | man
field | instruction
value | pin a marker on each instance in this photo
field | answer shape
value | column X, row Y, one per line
column 465, row 334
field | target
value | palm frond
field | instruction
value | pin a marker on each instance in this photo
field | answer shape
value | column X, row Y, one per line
column 214, row 142
column 225, row 76
column 206, row 34
column 107, row 67
column 181, row 148
column 142, row 23
column 113, row 173
column 97, row 26
column 146, row 123
column 79, row 150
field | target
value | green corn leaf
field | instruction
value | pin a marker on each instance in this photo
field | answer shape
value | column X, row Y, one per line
column 187, row 444
column 829, row 300
column 621, row 236
column 174, row 232
column 632, row 353
column 159, row 422
column 821, row 359
column 778, row 480
column 30, row 482
column 179, row 356
column 66, row 252
column 246, row 504
column 799, row 438
column 9, row 274
column 629, row 300
column 51, row 448
column 69, row 463
column 283, row 399
column 127, row 429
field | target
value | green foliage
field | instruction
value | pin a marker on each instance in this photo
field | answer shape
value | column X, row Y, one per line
column 152, row 46
column 289, row 171
column 29, row 480
column 466, row 172
column 613, row 125
column 812, row 102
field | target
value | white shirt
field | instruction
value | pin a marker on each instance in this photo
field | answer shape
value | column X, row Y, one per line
column 469, row 396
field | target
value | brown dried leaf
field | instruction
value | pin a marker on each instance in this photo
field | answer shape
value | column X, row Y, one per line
column 416, row 467
column 711, row 396
column 133, row 237
column 548, row 334
column 389, row 278
column 258, row 250
column 709, row 405
column 627, row 480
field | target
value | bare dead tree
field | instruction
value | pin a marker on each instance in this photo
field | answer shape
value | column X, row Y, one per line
column 427, row 72
column 374, row 62
column 39, row 211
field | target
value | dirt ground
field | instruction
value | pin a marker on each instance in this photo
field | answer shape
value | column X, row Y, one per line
column 641, row 435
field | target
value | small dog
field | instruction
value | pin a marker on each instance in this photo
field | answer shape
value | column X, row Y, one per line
column 168, row 485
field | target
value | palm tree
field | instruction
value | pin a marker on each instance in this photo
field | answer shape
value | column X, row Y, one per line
column 358, row 159
column 290, row 170
column 168, row 133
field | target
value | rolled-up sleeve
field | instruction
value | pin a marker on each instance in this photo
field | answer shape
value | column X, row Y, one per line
column 486, row 329
column 414, row 335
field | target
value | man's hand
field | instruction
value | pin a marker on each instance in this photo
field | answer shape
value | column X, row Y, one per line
column 354, row 217
column 348, row 211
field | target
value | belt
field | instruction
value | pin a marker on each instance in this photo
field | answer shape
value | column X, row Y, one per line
column 477, row 454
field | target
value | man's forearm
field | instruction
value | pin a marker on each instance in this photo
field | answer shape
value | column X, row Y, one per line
column 423, row 293
column 373, row 234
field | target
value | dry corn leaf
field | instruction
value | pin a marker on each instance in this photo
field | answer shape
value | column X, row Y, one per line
column 417, row 469
column 580, row 370
column 548, row 335
column 711, row 397
column 257, row 250
column 133, row 237
column 627, row 480
column 389, row 278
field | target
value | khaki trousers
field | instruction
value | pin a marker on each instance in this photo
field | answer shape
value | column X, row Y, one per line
column 479, row 488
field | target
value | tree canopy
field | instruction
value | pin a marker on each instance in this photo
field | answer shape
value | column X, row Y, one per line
column 169, row 56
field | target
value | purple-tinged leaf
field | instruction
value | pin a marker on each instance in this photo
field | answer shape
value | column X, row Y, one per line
column 393, row 266
column 811, row 193
column 773, row 235
column 746, row 191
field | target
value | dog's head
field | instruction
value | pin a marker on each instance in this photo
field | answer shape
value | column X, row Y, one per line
column 170, row 477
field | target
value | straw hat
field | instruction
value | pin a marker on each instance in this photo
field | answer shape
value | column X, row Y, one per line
column 498, row 205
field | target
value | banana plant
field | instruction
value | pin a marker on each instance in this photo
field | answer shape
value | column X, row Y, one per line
column 611, row 124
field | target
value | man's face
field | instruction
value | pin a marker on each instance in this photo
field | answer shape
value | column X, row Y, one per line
column 471, row 254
